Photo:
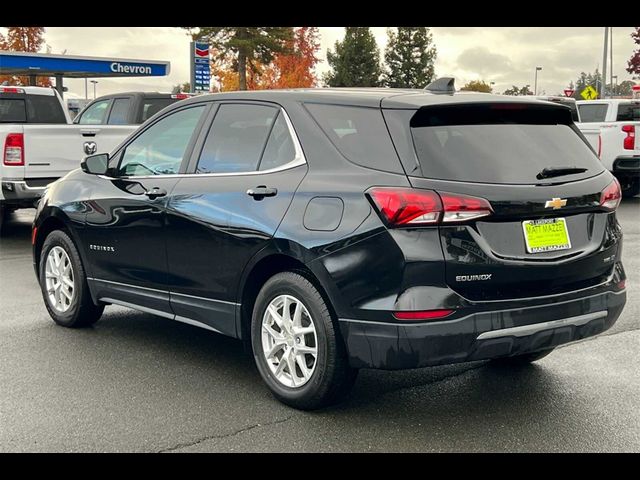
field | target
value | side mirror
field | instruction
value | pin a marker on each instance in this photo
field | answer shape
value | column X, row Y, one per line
column 95, row 164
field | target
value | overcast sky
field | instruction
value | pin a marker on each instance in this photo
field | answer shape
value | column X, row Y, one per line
column 504, row 55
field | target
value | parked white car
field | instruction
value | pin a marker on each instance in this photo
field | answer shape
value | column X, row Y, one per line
column 610, row 126
column 40, row 144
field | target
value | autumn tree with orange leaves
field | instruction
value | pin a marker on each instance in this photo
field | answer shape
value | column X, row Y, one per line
column 289, row 70
column 23, row 39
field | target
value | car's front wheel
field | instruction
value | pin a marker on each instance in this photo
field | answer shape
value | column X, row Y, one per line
column 296, row 346
column 64, row 284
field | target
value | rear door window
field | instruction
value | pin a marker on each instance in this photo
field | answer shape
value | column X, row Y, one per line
column 359, row 133
column 629, row 112
column 280, row 149
column 237, row 138
column 120, row 111
column 596, row 112
column 95, row 114
column 496, row 144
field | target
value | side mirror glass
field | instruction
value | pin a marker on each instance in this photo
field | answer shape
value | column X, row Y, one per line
column 95, row 164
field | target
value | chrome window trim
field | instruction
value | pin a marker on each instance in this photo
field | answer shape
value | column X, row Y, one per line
column 297, row 161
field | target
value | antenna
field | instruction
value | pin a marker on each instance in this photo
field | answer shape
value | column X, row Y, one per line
column 442, row 85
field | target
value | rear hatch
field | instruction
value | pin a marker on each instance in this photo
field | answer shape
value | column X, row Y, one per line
column 542, row 223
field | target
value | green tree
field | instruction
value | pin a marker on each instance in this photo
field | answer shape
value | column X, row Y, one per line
column 477, row 86
column 623, row 89
column 355, row 61
column 585, row 80
column 517, row 91
column 245, row 45
column 409, row 57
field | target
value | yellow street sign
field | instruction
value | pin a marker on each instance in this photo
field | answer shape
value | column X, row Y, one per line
column 589, row 93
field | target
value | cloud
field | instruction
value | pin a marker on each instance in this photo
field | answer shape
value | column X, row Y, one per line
column 484, row 62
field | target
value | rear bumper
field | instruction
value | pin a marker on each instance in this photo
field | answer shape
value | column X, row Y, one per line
column 18, row 191
column 627, row 165
column 481, row 335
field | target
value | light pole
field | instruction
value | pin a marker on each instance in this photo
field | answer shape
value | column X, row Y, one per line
column 614, row 86
column 535, row 83
column 94, row 88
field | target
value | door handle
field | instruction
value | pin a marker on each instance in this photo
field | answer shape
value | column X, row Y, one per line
column 89, row 132
column 155, row 192
column 258, row 193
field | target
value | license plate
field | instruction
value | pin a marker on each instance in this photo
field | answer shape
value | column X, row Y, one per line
column 546, row 235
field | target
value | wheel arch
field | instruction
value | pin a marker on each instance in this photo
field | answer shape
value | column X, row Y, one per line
column 266, row 265
column 53, row 220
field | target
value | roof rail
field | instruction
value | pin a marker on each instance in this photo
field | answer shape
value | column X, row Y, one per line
column 442, row 85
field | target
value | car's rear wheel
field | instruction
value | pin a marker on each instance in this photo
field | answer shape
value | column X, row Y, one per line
column 296, row 345
column 522, row 359
column 64, row 284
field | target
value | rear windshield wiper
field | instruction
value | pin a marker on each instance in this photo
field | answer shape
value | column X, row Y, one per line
column 549, row 172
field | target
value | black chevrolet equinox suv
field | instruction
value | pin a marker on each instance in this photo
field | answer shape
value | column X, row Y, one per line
column 339, row 229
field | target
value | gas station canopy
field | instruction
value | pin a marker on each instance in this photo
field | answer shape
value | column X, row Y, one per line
column 71, row 66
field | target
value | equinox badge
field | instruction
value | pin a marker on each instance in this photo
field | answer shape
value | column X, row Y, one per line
column 473, row 278
column 556, row 203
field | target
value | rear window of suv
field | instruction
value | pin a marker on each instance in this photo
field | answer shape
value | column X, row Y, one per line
column 629, row 112
column 498, row 143
column 31, row 109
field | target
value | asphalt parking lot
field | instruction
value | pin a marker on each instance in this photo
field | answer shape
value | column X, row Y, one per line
column 141, row 383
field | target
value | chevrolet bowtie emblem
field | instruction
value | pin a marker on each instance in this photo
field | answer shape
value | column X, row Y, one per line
column 556, row 203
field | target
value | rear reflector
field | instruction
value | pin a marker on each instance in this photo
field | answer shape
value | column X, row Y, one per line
column 14, row 149
column 422, row 315
column 407, row 207
column 34, row 234
column 610, row 196
column 630, row 140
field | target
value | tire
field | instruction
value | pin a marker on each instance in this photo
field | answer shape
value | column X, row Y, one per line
column 630, row 188
column 523, row 359
column 331, row 377
column 80, row 310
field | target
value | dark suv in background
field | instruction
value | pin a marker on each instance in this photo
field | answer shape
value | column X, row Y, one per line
column 339, row 229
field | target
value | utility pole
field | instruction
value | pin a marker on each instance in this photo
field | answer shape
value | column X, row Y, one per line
column 535, row 82
column 611, row 55
column 603, row 75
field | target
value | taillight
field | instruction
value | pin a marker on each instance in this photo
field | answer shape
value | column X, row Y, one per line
column 630, row 140
column 180, row 96
column 422, row 315
column 407, row 207
column 458, row 208
column 14, row 149
column 610, row 196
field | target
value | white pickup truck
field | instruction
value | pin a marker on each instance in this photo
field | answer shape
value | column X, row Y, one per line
column 610, row 126
column 39, row 143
